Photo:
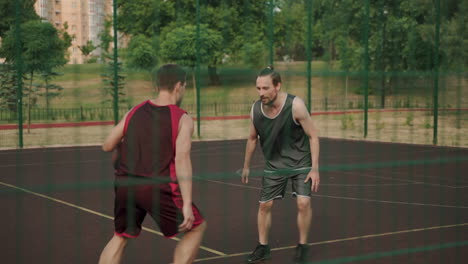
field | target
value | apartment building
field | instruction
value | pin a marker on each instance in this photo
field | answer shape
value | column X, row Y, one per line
column 85, row 20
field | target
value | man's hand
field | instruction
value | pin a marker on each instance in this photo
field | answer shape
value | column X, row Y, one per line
column 115, row 157
column 315, row 178
column 245, row 175
column 188, row 218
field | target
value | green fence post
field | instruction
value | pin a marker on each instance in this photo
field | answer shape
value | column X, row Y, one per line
column 309, row 55
column 197, row 69
column 116, row 61
column 271, row 6
column 19, row 73
column 366, row 68
column 436, row 73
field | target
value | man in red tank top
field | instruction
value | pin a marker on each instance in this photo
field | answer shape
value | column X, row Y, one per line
column 153, row 142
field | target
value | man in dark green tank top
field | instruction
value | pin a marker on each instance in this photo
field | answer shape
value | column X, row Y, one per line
column 290, row 145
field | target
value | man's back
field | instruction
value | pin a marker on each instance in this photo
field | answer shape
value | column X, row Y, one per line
column 148, row 146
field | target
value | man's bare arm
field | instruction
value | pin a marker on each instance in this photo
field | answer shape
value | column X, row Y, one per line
column 183, row 165
column 115, row 136
column 302, row 115
column 249, row 150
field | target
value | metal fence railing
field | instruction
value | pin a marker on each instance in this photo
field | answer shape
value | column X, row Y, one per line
column 215, row 109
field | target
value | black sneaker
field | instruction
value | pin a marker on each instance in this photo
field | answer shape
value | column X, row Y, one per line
column 260, row 253
column 300, row 256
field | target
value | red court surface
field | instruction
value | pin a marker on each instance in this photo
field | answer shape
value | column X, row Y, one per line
column 377, row 203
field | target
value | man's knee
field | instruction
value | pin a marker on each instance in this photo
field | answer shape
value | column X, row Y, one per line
column 120, row 239
column 303, row 204
column 266, row 207
column 201, row 228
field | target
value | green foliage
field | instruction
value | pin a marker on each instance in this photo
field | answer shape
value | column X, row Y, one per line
column 9, row 15
column 141, row 53
column 8, row 87
column 109, row 81
column 254, row 54
column 87, row 48
column 347, row 122
column 409, row 119
column 145, row 17
column 42, row 50
column 105, row 36
column 47, row 89
column 180, row 46
column 41, row 47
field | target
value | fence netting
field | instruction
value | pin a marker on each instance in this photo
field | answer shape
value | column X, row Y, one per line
column 389, row 74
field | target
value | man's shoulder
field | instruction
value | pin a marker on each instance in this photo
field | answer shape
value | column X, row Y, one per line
column 179, row 109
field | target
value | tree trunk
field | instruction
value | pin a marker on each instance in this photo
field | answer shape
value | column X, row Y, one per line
column 47, row 97
column 213, row 74
column 29, row 102
column 382, row 91
column 346, row 92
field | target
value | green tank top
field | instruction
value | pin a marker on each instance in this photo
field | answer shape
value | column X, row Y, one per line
column 284, row 143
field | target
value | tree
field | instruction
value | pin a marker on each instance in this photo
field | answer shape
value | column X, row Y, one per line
column 87, row 48
column 48, row 89
column 140, row 53
column 8, row 87
column 230, row 18
column 42, row 51
column 109, row 80
column 105, row 37
column 8, row 14
column 180, row 46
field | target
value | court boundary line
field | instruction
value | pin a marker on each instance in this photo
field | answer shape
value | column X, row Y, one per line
column 325, row 242
column 392, row 253
column 349, row 198
column 210, row 250
column 379, row 177
column 257, row 179
column 400, row 180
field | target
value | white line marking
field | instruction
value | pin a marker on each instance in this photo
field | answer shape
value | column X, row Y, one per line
column 342, row 240
column 351, row 198
column 54, row 163
column 99, row 214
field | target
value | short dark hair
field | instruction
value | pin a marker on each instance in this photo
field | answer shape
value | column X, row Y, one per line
column 270, row 71
column 168, row 76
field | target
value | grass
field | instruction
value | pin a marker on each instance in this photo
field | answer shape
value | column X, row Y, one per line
column 329, row 88
column 83, row 84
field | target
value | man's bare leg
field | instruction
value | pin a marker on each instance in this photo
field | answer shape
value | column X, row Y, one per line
column 304, row 217
column 188, row 246
column 264, row 221
column 113, row 251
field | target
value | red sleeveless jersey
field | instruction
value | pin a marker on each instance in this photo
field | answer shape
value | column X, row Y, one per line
column 148, row 145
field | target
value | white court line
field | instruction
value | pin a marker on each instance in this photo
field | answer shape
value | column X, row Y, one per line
column 342, row 240
column 52, row 163
column 419, row 176
column 100, row 214
column 61, row 148
column 407, row 182
column 350, row 198
column 401, row 180
column 355, row 185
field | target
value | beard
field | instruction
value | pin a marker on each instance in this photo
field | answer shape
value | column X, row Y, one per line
column 267, row 101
